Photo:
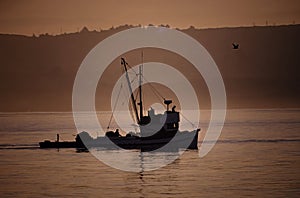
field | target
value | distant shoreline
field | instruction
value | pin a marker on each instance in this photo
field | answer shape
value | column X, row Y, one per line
column 37, row 35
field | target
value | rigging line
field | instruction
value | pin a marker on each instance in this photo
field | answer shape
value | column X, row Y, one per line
column 133, row 73
column 187, row 120
column 137, row 94
column 127, row 95
column 131, row 105
column 132, row 70
column 153, row 89
column 133, row 80
column 115, row 105
column 131, row 112
column 146, row 81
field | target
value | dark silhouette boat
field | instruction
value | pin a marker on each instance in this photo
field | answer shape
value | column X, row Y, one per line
column 157, row 131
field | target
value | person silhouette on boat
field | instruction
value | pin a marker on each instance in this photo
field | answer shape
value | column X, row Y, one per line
column 173, row 108
column 117, row 134
column 113, row 134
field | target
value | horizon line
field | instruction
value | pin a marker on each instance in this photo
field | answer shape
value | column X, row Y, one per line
column 86, row 29
column 205, row 109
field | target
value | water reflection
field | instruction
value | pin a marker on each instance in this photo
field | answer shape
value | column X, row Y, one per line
column 135, row 160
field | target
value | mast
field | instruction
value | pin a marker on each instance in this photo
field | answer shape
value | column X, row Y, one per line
column 123, row 62
column 140, row 88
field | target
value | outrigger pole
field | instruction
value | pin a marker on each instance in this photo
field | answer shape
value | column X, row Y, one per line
column 123, row 62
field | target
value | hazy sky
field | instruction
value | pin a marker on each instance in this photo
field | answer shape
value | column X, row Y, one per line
column 55, row 16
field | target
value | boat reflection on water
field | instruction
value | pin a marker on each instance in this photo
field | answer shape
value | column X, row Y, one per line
column 135, row 160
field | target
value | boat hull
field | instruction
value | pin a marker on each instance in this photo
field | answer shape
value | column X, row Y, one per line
column 48, row 144
column 188, row 140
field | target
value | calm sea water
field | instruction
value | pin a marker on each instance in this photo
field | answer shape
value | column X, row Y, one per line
column 258, row 154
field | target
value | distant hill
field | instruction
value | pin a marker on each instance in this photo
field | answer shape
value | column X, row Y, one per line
column 37, row 73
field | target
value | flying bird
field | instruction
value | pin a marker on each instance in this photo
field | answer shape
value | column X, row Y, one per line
column 235, row 46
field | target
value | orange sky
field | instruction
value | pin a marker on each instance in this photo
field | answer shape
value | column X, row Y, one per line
column 54, row 16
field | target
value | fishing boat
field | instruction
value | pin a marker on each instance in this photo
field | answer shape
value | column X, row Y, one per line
column 157, row 131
